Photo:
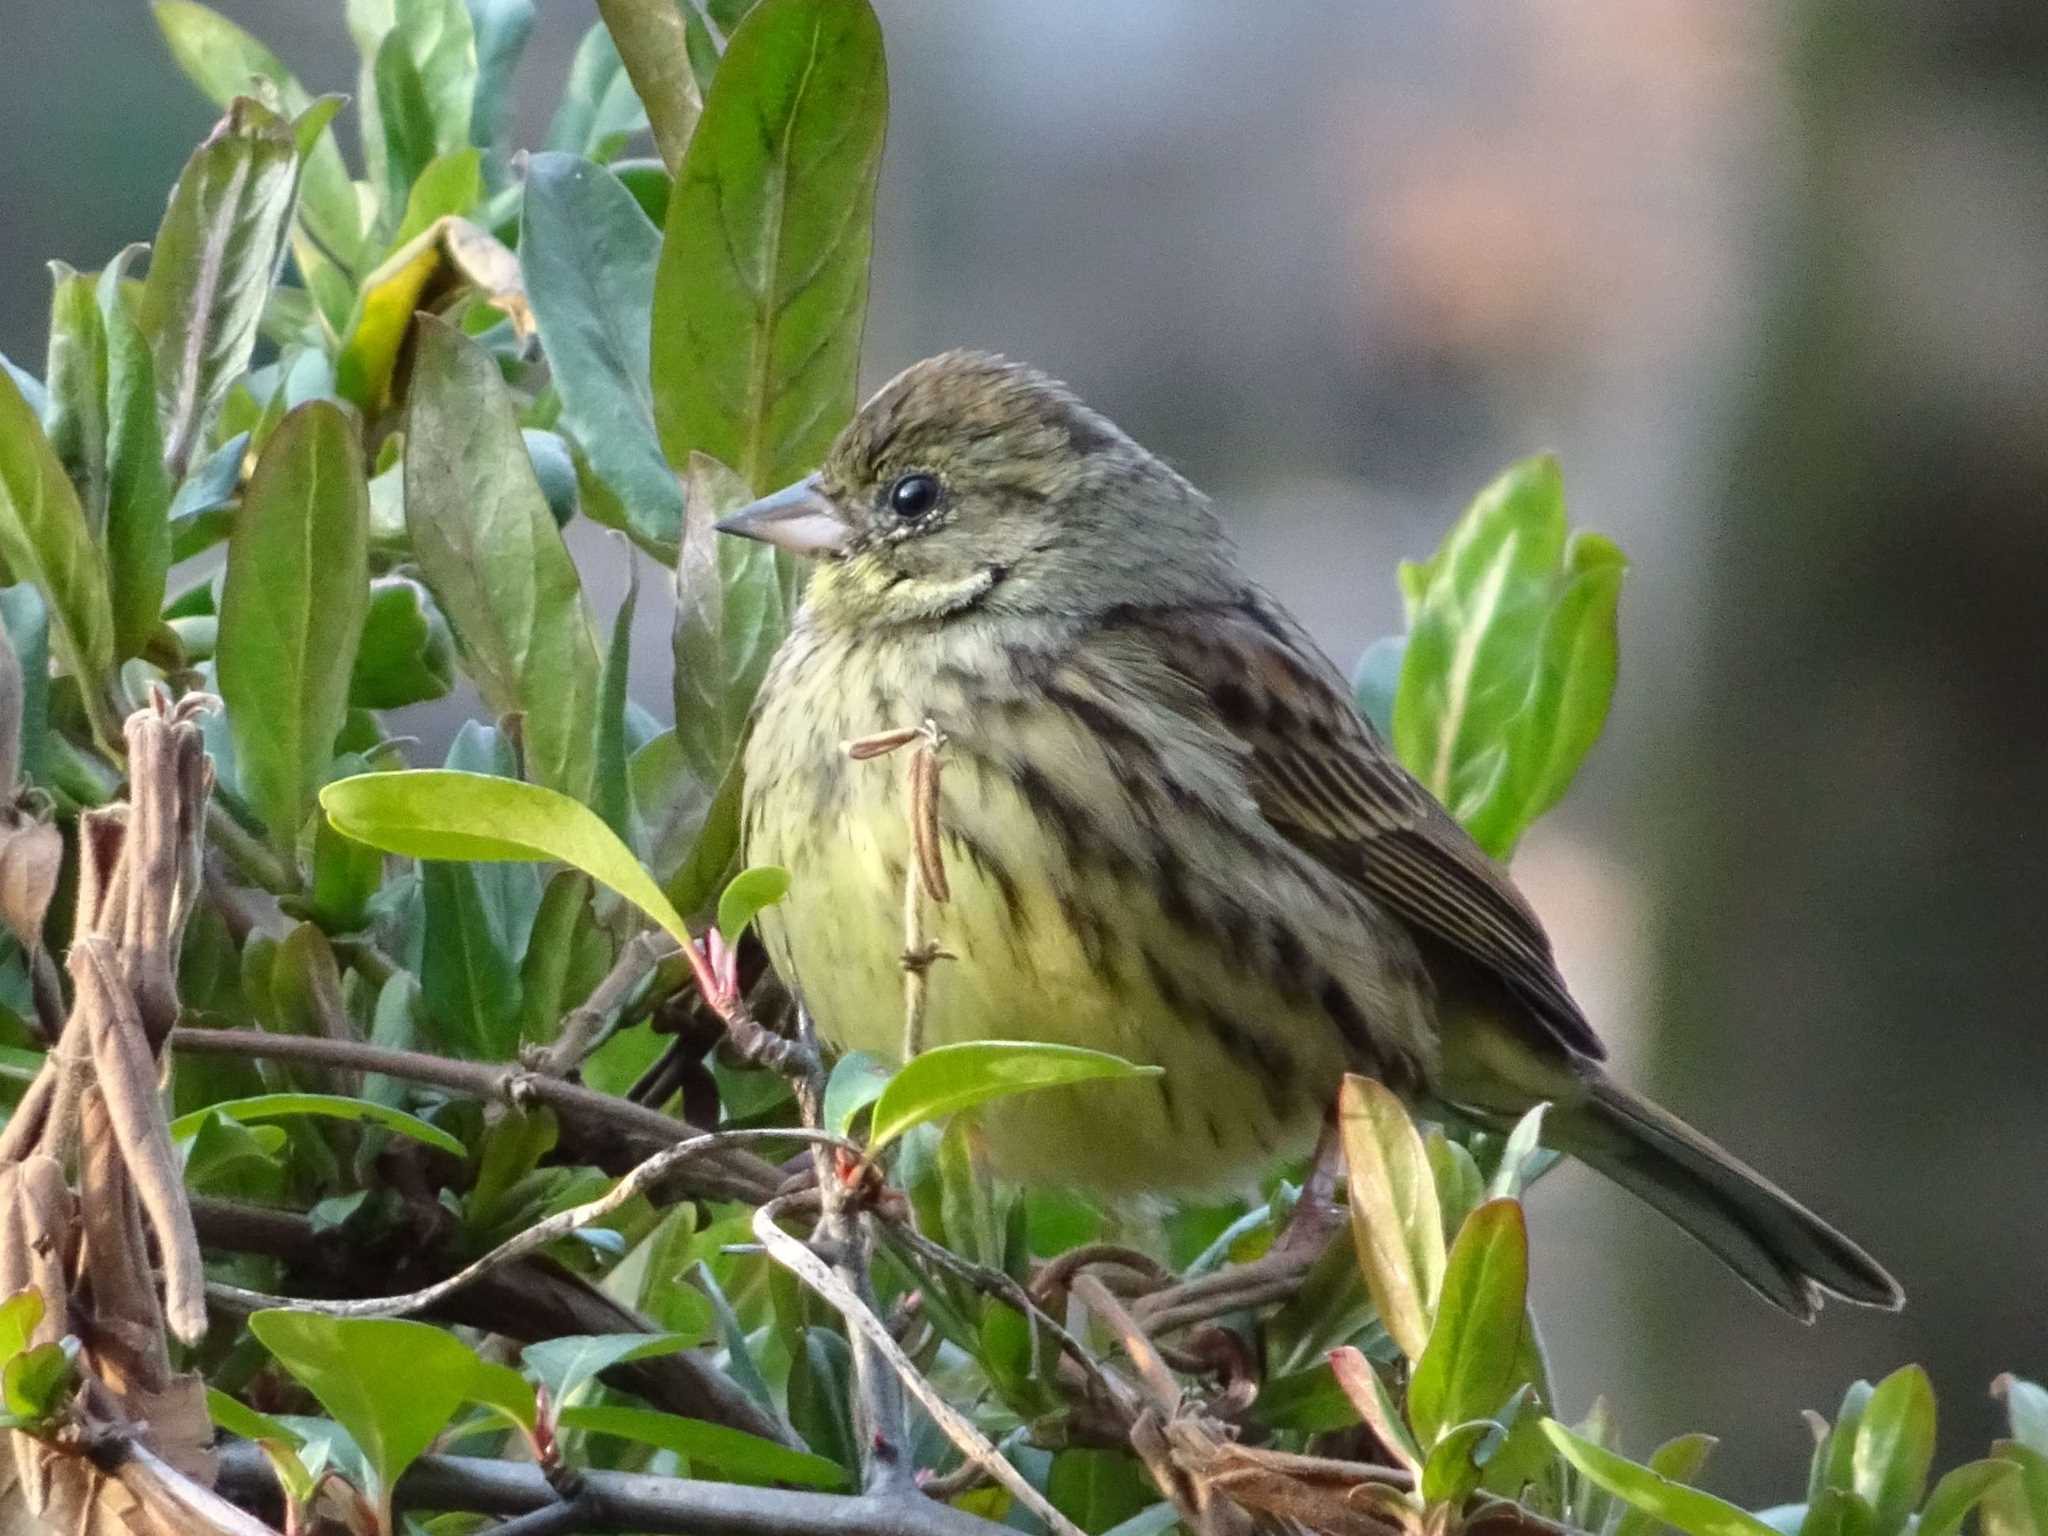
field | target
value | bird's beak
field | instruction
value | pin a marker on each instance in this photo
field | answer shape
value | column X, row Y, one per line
column 800, row 518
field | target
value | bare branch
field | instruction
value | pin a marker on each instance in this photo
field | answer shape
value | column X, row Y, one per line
column 535, row 1237
column 731, row 1173
column 794, row 1255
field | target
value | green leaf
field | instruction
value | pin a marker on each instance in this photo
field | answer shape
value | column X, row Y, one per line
column 1375, row 1405
column 506, row 1393
column 25, row 621
column 292, row 610
column 1833, row 1458
column 502, row 28
column 564, row 1365
column 1452, row 1469
column 749, row 891
column 1395, row 1223
column 224, row 62
column 1959, row 1491
column 447, row 184
column 389, row 1383
column 1678, row 1460
column 1894, row 1448
column 279, row 1106
column 44, row 541
column 1690, row 1510
column 1467, row 1369
column 588, row 254
column 407, row 655
column 20, row 1315
column 614, row 787
column 857, row 1080
column 36, row 1382
column 215, row 257
column 479, row 918
column 439, row 44
column 1510, row 661
column 730, row 617
column 494, row 557
column 138, row 530
column 733, row 1454
column 1098, row 1488
column 2017, row 1506
column 1524, row 1144
column 75, row 377
column 1459, row 1184
column 652, row 40
column 435, row 813
column 716, row 848
column 820, row 1395
column 599, row 111
column 762, row 285
column 279, row 1442
column 566, row 956
column 950, row 1078
column 406, row 117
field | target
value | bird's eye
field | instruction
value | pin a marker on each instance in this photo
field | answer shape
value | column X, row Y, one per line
column 913, row 496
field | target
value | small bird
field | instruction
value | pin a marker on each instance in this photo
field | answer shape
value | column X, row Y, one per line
column 1166, row 832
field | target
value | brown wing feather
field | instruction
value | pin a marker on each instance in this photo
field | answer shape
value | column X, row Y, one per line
column 1324, row 780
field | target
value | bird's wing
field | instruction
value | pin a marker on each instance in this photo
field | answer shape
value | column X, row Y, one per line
column 1324, row 780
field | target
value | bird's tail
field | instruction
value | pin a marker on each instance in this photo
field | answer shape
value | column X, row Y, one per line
column 1785, row 1252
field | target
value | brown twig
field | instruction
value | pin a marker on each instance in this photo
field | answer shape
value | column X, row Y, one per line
column 732, row 1174
column 533, row 1238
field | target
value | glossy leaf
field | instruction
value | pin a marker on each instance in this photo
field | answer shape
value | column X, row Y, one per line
column 435, row 813
column 20, row 1315
column 1690, row 1510
column 652, row 41
column 407, row 655
column 731, row 1453
column 730, row 617
column 1522, row 1150
column 138, row 530
column 1679, row 1460
column 505, row 1393
column 1510, row 661
column 279, row 1442
column 762, row 285
column 2016, row 1506
column 381, row 323
column 216, row 254
column 225, row 62
column 439, row 46
column 478, row 921
column 44, row 540
column 1395, row 1223
column 447, row 185
column 292, row 611
column 563, row 1365
column 566, row 957
column 748, row 892
column 949, row 1078
column 1467, row 1369
column 588, row 253
column 390, row 1383
column 1959, row 1491
column 857, row 1080
column 281, row 1106
column 495, row 559
column 614, row 786
column 1895, row 1448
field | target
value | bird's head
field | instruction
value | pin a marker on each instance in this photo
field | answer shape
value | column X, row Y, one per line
column 973, row 484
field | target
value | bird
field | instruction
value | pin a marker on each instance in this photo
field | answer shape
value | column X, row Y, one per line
column 1166, row 833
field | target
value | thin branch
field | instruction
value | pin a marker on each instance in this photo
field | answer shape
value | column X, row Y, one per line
column 620, row 1502
column 796, row 1256
column 535, row 1237
column 734, row 1175
column 584, row 1025
column 529, row 1300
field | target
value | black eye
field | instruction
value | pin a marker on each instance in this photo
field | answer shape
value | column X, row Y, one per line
column 913, row 496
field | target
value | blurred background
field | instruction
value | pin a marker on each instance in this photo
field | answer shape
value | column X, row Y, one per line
column 1772, row 280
